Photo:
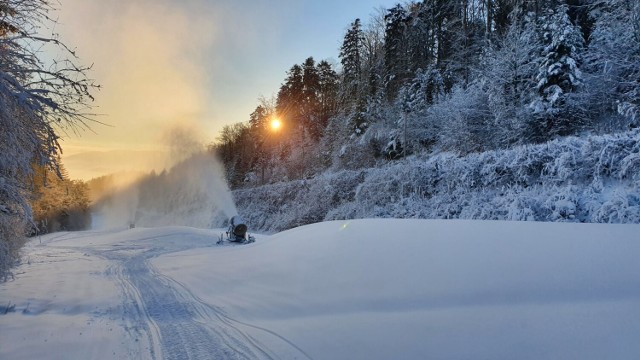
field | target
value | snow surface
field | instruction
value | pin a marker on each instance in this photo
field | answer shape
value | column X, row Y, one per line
column 362, row 289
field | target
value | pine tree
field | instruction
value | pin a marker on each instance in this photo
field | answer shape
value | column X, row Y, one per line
column 290, row 97
column 351, row 60
column 558, row 75
column 328, row 91
column 258, row 122
column 395, row 50
column 311, row 99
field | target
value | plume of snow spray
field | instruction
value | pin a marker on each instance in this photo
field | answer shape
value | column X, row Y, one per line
column 193, row 192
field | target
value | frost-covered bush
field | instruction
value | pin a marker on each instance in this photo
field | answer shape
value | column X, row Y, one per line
column 622, row 207
column 562, row 204
column 281, row 206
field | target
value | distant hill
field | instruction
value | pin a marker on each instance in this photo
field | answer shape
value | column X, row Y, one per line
column 93, row 164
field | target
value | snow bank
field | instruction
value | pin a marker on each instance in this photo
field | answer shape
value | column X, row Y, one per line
column 592, row 179
column 417, row 289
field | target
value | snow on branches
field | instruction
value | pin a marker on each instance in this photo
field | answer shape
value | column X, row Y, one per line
column 38, row 99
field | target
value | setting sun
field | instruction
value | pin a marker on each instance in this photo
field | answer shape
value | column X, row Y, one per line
column 276, row 124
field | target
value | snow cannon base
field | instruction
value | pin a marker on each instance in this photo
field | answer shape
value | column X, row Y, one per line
column 237, row 232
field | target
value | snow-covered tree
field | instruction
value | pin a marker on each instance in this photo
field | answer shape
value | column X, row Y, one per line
column 507, row 72
column 614, row 57
column 463, row 120
column 59, row 203
column 38, row 99
column 415, row 128
column 558, row 75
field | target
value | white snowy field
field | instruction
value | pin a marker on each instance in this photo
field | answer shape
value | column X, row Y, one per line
column 362, row 289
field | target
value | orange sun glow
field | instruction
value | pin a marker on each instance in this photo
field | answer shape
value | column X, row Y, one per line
column 276, row 124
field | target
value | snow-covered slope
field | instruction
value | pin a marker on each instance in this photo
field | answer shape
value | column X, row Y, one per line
column 573, row 179
column 384, row 289
column 363, row 289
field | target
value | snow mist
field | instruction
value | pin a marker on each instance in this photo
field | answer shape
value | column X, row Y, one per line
column 192, row 192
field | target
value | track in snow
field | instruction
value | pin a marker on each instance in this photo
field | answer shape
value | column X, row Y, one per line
column 175, row 322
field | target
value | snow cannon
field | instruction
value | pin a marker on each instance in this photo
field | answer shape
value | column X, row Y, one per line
column 237, row 232
column 237, row 227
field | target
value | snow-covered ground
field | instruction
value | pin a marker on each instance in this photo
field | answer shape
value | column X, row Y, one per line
column 362, row 289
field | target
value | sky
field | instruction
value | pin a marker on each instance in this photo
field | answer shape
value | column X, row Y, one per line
column 197, row 63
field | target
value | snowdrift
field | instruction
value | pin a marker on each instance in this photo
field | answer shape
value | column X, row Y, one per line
column 422, row 289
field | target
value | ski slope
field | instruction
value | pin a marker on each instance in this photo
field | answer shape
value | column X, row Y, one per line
column 361, row 289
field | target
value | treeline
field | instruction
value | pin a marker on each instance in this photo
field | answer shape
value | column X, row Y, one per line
column 254, row 151
column 433, row 76
column 58, row 203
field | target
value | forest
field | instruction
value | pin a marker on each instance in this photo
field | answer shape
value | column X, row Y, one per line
column 434, row 76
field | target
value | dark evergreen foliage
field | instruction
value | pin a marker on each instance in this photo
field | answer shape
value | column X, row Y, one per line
column 351, row 60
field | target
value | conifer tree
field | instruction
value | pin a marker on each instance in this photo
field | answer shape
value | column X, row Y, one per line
column 351, row 60
column 310, row 107
column 290, row 97
column 395, row 50
column 558, row 75
column 328, row 82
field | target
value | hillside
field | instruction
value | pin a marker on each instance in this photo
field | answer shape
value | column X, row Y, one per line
column 589, row 179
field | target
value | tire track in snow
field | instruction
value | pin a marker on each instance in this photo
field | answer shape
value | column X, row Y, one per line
column 139, row 324
column 175, row 322
column 209, row 312
column 180, row 336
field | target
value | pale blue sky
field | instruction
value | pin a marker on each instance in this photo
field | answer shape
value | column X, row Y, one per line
column 204, row 62
column 295, row 31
